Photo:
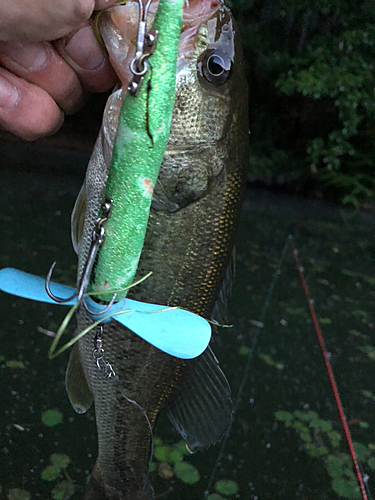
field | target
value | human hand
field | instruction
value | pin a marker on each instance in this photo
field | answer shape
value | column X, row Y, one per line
column 40, row 80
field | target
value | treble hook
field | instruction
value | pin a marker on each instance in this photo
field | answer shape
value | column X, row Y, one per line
column 97, row 239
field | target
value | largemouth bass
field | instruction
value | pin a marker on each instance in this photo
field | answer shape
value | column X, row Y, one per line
column 188, row 247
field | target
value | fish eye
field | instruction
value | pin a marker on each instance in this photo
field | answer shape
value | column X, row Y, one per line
column 215, row 66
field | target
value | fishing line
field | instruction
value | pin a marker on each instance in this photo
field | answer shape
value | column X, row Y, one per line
column 366, row 495
column 151, row 436
column 275, row 276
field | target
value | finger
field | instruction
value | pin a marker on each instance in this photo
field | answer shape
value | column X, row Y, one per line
column 38, row 20
column 83, row 53
column 25, row 109
column 104, row 4
column 39, row 63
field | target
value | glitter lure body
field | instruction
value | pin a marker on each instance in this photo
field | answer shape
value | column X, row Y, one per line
column 142, row 135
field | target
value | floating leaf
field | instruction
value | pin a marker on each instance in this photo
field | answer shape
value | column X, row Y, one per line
column 165, row 470
column 346, row 489
column 2, row 358
column 153, row 467
column 176, row 456
column 364, row 425
column 335, row 466
column 325, row 321
column 312, row 450
column 63, row 490
column 215, row 496
column 300, row 427
column 14, row 364
column 60, row 461
column 305, row 436
column 321, row 425
column 244, row 351
column 50, row 473
column 50, row 418
column 284, row 416
column 17, row 494
column 186, row 472
column 162, row 453
column 157, row 441
column 302, row 415
column 226, row 487
column 335, row 438
column 368, row 394
column 362, row 451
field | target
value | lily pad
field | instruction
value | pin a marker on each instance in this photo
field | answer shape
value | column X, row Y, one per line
column 162, row 453
column 226, row 487
column 346, row 489
column 186, row 472
column 12, row 363
column 50, row 418
column 17, row 494
column 50, row 473
column 284, row 416
column 63, row 490
column 60, row 461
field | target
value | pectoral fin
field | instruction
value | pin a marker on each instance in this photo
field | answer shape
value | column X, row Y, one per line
column 79, row 392
column 202, row 408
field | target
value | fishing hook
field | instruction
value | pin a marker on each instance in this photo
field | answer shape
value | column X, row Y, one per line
column 145, row 47
column 97, row 239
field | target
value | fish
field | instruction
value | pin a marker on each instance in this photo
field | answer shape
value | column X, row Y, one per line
column 189, row 247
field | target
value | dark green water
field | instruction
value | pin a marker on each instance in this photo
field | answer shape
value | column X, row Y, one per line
column 264, row 457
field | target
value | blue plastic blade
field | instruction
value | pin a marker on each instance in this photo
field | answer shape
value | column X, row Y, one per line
column 32, row 287
column 177, row 332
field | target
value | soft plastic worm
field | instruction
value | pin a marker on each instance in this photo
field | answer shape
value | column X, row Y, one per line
column 141, row 140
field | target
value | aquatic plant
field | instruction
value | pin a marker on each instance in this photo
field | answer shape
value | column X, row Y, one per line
column 322, row 441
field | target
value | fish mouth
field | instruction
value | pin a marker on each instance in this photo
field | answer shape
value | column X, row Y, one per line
column 119, row 25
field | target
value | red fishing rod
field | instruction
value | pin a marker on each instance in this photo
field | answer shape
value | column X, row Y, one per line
column 330, row 374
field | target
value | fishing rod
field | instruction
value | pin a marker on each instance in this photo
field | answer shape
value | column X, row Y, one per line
column 331, row 376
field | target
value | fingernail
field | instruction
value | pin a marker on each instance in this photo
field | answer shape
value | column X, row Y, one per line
column 31, row 56
column 84, row 50
column 9, row 94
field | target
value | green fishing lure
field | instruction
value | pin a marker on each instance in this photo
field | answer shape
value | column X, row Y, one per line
column 141, row 140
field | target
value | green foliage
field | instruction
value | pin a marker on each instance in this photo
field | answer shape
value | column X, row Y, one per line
column 17, row 494
column 14, row 364
column 321, row 441
column 311, row 74
column 63, row 490
column 226, row 487
column 59, row 463
column 50, row 473
column 186, row 472
column 171, row 463
column 50, row 418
